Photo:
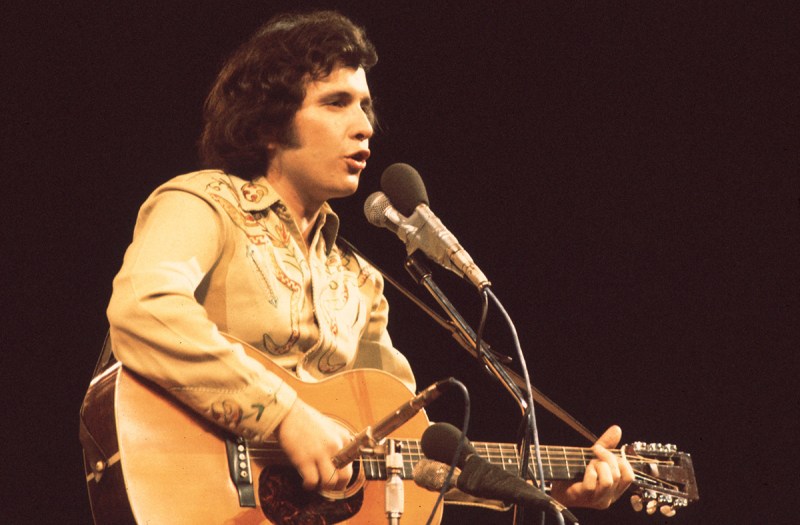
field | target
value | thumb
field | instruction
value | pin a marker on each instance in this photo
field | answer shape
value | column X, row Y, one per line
column 610, row 437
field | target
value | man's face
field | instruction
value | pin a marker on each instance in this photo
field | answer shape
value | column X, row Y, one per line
column 330, row 135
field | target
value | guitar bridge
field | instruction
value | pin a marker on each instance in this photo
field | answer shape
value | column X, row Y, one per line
column 239, row 467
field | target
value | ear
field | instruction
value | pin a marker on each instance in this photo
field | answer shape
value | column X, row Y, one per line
column 271, row 146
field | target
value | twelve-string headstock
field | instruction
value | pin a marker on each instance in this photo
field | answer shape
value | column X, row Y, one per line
column 664, row 478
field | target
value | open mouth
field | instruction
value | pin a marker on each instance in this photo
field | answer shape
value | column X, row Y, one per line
column 358, row 160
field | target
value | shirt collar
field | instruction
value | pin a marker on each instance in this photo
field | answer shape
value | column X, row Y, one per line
column 259, row 196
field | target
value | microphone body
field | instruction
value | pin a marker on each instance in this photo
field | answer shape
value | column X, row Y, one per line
column 478, row 477
column 423, row 230
column 377, row 432
column 437, row 242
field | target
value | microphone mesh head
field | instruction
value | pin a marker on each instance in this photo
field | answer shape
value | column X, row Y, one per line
column 403, row 186
column 430, row 474
column 440, row 442
column 374, row 207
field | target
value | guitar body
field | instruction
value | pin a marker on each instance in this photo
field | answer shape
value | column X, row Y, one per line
column 167, row 465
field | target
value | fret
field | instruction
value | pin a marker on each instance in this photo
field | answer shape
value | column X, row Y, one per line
column 513, row 462
column 563, row 462
column 409, row 458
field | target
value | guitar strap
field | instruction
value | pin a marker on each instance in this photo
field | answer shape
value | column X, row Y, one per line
column 538, row 396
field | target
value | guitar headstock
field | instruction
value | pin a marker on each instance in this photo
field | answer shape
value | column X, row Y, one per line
column 664, row 478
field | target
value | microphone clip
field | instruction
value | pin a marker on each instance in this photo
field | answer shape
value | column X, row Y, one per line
column 369, row 438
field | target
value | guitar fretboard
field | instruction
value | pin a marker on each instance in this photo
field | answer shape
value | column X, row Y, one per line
column 559, row 463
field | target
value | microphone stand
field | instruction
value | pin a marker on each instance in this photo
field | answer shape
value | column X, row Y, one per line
column 463, row 332
column 422, row 274
column 468, row 344
column 467, row 338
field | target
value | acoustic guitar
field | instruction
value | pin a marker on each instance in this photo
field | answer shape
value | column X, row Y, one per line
column 150, row 460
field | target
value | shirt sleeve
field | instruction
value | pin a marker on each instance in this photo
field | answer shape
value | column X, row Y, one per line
column 159, row 330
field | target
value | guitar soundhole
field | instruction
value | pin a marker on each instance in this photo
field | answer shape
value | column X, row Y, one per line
column 284, row 502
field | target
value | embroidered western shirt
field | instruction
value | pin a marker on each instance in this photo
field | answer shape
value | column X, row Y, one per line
column 212, row 252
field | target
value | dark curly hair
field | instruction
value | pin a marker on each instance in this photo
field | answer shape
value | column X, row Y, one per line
column 262, row 85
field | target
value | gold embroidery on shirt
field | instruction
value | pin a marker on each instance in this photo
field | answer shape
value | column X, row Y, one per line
column 324, row 356
column 245, row 221
column 272, row 297
column 294, row 310
column 253, row 192
column 227, row 413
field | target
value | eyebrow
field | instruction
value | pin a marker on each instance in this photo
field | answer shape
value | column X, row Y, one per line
column 345, row 94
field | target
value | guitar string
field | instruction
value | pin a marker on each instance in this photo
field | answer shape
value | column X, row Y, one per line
column 564, row 455
column 568, row 463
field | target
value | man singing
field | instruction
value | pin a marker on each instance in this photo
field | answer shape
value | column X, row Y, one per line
column 248, row 247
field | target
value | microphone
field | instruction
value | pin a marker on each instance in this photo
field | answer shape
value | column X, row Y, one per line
column 403, row 184
column 380, row 212
column 375, row 433
column 478, row 477
column 416, row 225
column 430, row 474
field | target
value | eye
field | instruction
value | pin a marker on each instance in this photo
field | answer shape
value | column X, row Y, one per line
column 338, row 100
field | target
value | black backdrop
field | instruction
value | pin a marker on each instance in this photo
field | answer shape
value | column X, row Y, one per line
column 623, row 173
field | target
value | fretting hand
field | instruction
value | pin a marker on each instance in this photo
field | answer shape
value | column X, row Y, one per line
column 606, row 478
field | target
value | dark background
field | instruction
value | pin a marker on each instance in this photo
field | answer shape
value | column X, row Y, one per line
column 623, row 172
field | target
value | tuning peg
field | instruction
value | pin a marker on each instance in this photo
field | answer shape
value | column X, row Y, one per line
column 667, row 511
column 636, row 503
column 651, row 507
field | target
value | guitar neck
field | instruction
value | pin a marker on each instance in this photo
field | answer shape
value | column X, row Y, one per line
column 560, row 463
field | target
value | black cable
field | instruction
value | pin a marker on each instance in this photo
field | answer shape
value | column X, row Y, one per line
column 482, row 323
column 531, row 415
column 461, row 444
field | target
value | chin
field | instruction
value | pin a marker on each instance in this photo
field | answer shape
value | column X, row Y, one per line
column 349, row 187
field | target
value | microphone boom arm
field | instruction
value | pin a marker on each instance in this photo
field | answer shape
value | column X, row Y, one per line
column 467, row 342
